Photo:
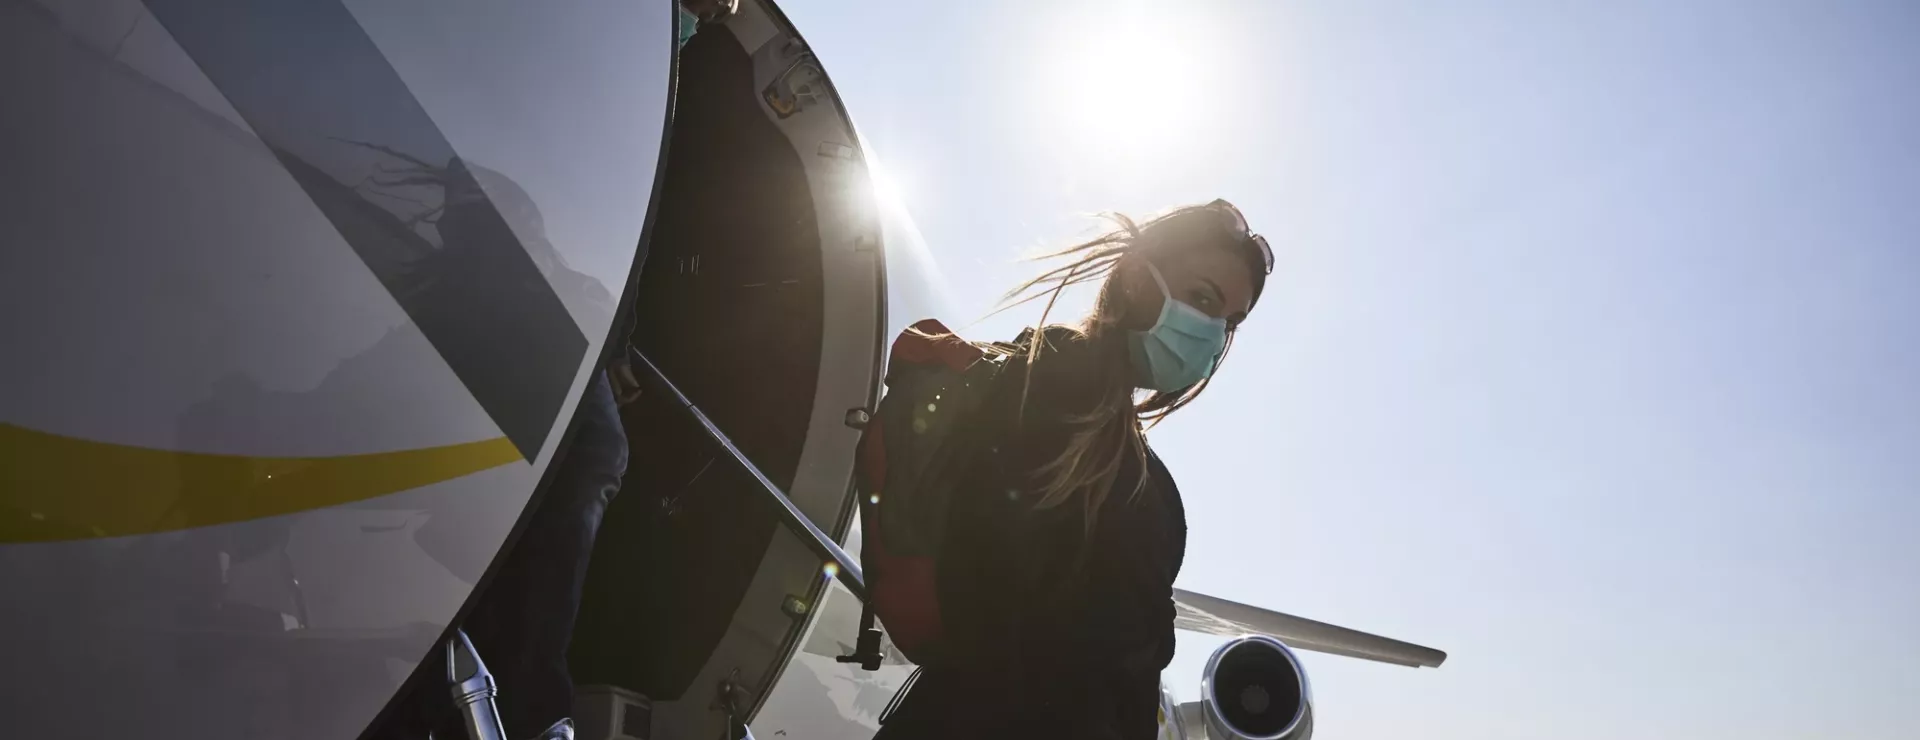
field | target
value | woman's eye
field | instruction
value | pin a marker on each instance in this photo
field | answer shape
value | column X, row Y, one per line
column 1202, row 301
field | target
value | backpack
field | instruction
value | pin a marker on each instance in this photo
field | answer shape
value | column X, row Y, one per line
column 912, row 456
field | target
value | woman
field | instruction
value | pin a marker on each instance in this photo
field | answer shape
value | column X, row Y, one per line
column 1055, row 584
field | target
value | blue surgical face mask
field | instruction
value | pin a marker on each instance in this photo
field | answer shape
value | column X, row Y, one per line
column 688, row 24
column 1181, row 348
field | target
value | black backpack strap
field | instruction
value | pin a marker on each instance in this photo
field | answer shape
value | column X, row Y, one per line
column 866, row 651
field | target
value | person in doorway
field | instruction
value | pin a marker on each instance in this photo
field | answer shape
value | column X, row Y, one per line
column 1055, row 581
column 522, row 622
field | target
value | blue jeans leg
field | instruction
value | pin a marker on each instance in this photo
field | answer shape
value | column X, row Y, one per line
column 523, row 624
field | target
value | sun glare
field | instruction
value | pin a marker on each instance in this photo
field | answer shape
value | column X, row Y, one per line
column 887, row 194
column 1128, row 83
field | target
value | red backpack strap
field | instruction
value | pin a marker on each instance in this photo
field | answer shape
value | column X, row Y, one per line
column 929, row 342
column 901, row 574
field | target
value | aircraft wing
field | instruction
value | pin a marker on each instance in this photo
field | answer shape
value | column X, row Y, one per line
column 1208, row 615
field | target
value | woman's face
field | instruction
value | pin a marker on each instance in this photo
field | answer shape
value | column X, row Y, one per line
column 1214, row 280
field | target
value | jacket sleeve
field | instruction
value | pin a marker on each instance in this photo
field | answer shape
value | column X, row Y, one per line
column 1107, row 630
column 1127, row 613
column 1104, row 638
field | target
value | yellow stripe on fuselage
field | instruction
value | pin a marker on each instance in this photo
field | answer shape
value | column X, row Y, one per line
column 55, row 488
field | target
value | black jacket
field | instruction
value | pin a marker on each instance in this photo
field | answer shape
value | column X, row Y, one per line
column 1044, row 639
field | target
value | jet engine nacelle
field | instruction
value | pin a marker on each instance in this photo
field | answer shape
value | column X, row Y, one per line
column 1254, row 688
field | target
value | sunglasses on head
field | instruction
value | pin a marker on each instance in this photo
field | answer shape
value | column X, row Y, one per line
column 1238, row 224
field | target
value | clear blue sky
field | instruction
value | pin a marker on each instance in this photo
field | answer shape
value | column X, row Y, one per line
column 1593, row 356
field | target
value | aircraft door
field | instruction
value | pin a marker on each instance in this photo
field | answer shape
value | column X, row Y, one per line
column 763, row 302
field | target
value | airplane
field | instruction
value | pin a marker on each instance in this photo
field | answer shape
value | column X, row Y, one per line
column 272, row 412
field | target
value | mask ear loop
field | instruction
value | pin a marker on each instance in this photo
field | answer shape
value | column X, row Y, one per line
column 1166, row 296
column 1157, row 279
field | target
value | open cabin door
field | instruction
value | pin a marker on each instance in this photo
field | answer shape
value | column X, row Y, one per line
column 762, row 302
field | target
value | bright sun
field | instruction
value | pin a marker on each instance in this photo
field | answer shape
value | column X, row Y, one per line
column 1128, row 82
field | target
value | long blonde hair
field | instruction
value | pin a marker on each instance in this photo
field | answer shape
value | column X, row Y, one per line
column 1112, row 433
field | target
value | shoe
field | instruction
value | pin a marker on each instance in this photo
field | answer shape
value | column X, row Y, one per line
column 561, row 730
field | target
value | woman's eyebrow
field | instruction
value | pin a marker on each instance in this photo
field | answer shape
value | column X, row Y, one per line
column 1218, row 294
